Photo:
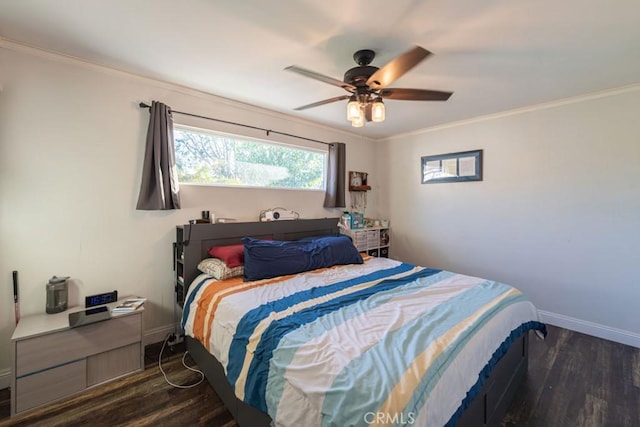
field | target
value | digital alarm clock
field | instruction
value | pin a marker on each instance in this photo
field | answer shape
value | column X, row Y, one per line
column 100, row 299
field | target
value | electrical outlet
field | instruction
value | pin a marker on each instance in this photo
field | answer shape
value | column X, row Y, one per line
column 174, row 339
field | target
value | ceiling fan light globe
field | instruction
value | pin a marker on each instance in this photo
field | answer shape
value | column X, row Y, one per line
column 378, row 111
column 359, row 121
column 353, row 109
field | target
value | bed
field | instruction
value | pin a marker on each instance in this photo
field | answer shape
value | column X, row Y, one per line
column 374, row 343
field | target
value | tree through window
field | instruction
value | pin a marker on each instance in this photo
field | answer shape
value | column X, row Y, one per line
column 211, row 158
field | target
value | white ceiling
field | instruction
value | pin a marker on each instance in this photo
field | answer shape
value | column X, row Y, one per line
column 495, row 55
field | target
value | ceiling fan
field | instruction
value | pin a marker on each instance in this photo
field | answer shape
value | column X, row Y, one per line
column 368, row 85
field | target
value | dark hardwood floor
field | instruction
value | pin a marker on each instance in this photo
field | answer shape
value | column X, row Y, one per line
column 578, row 380
column 573, row 380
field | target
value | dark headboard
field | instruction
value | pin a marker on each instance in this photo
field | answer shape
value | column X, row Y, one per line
column 194, row 240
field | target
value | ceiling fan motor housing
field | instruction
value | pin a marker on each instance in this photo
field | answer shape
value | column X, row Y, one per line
column 358, row 76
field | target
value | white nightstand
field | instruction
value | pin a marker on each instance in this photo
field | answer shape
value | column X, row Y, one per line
column 50, row 360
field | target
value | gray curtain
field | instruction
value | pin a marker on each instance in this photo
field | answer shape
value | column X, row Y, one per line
column 334, row 194
column 159, row 188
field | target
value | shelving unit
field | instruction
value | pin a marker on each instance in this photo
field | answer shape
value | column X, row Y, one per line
column 178, row 264
column 375, row 241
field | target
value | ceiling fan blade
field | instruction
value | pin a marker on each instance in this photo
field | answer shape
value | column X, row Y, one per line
column 415, row 94
column 321, row 77
column 319, row 103
column 397, row 67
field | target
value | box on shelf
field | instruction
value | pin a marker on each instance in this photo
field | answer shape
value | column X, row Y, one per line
column 353, row 220
column 384, row 237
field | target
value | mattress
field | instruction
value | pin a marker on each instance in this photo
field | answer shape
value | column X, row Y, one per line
column 379, row 343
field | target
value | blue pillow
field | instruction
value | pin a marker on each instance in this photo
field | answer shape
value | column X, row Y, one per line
column 264, row 259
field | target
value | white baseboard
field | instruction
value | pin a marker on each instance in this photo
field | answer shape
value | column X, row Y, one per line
column 5, row 379
column 590, row 328
column 153, row 336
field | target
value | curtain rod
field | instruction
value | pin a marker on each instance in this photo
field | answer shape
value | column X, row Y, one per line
column 268, row 131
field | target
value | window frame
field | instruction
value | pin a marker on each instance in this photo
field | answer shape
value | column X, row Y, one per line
column 235, row 136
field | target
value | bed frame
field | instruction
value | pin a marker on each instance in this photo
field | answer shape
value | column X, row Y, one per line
column 487, row 409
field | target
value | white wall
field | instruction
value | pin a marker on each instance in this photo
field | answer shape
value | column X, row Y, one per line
column 71, row 148
column 557, row 214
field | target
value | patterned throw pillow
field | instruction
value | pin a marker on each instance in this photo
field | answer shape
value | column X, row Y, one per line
column 217, row 269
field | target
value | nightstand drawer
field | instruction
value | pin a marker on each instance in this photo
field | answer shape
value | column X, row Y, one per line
column 49, row 350
column 49, row 385
column 114, row 363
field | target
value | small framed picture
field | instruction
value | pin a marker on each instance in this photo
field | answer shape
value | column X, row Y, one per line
column 452, row 167
column 358, row 181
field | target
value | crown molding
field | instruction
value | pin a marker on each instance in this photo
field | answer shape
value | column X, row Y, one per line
column 517, row 111
column 163, row 84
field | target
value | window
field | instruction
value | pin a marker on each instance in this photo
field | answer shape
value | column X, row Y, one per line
column 211, row 158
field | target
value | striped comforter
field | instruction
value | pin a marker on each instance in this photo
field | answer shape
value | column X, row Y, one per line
column 382, row 343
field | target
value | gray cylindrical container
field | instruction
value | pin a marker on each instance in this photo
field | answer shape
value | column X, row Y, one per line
column 57, row 294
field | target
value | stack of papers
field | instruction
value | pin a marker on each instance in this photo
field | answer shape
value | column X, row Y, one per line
column 129, row 304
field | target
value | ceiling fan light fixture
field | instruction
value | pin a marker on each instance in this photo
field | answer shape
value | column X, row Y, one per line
column 353, row 109
column 377, row 110
column 358, row 122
